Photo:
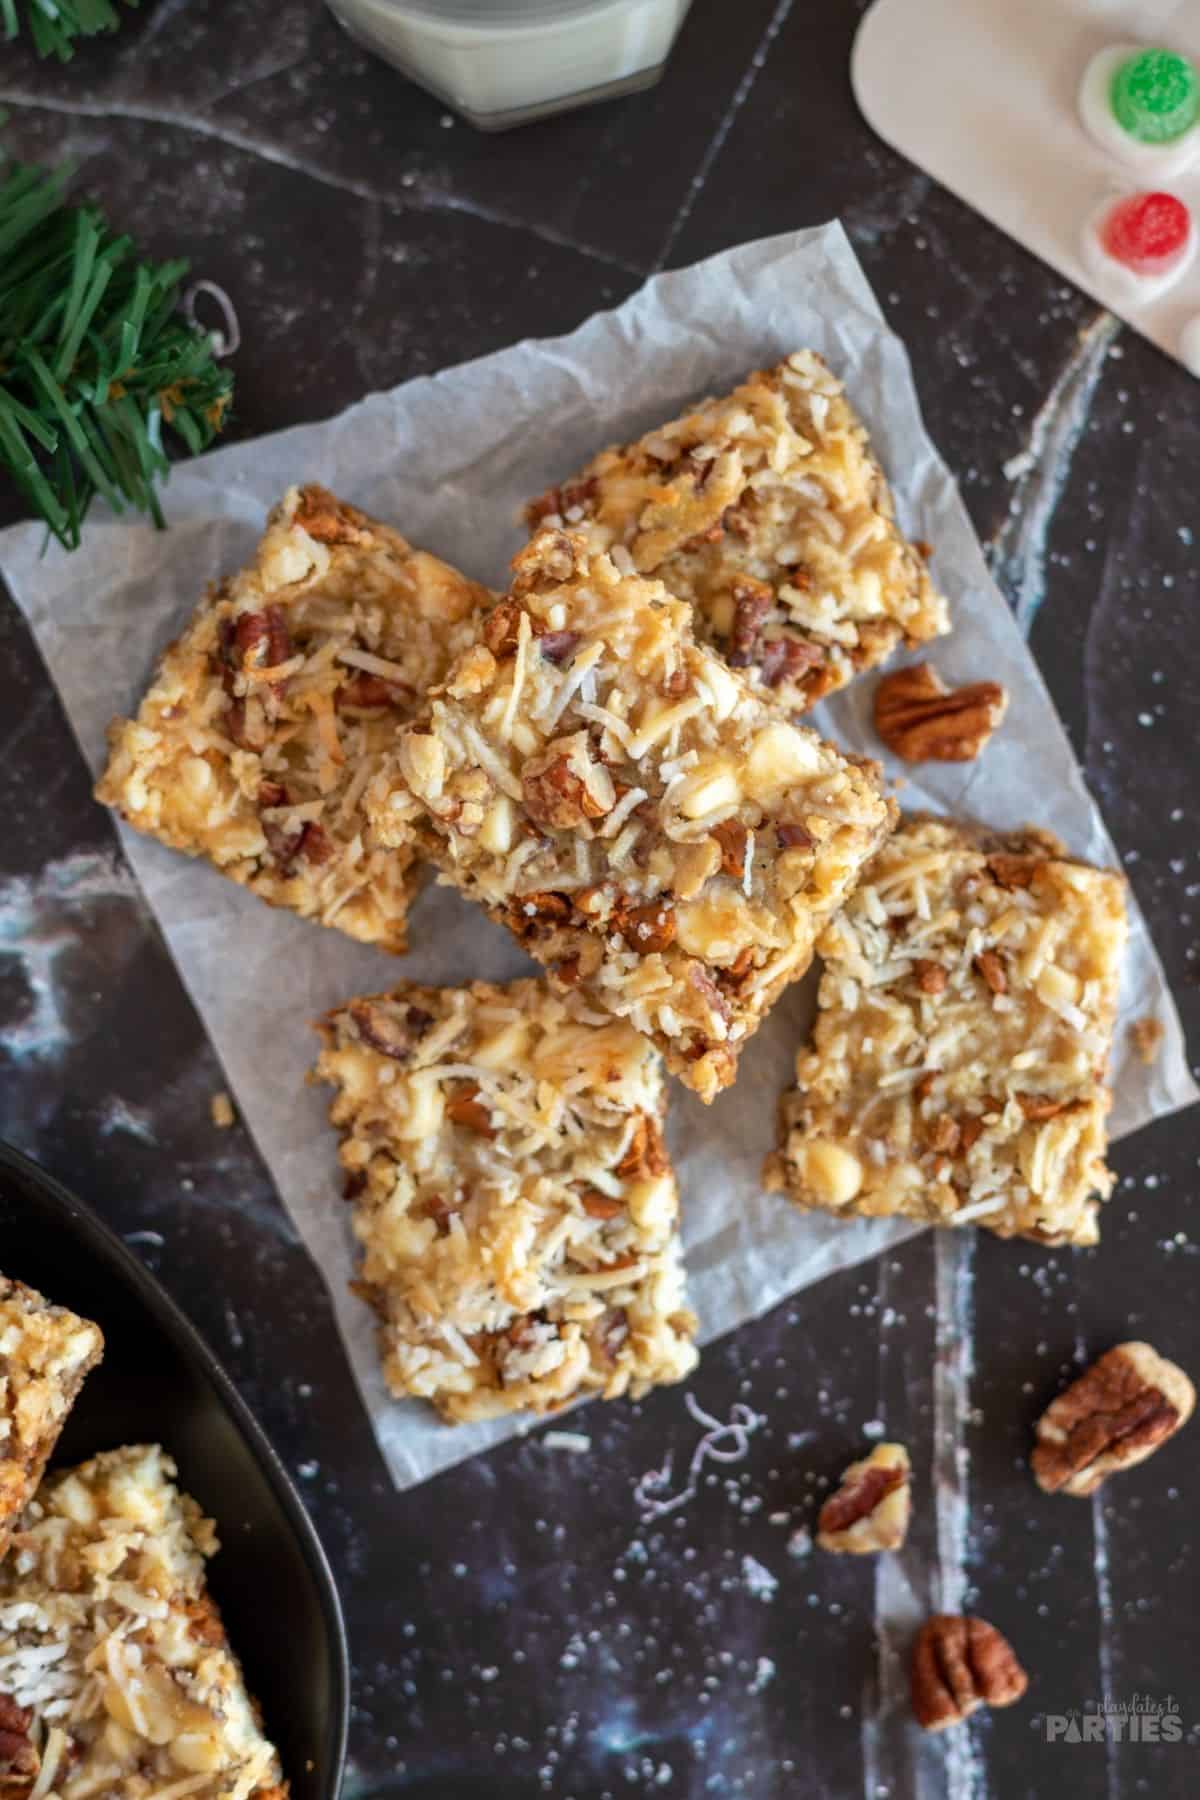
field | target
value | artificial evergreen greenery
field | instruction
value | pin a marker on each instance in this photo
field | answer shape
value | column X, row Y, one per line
column 55, row 24
column 94, row 358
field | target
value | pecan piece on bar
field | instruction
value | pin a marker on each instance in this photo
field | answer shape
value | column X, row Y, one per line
column 563, row 791
column 501, row 627
column 19, row 1759
column 922, row 720
column 787, row 657
column 990, row 969
column 466, row 1108
column 752, row 601
column 870, row 1509
column 647, row 928
column 327, row 518
column 1116, row 1414
column 731, row 836
column 644, row 1154
column 600, row 1206
column 558, row 647
column 1039, row 1107
column 383, row 1030
column 931, row 976
column 958, row 1665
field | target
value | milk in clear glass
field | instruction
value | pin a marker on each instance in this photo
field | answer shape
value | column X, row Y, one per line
column 504, row 62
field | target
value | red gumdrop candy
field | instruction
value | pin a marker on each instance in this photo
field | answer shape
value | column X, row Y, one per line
column 1146, row 232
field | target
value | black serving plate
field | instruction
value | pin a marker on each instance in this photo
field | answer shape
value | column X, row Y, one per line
column 160, row 1383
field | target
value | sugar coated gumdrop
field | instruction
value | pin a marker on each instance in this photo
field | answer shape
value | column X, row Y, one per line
column 1147, row 233
column 1156, row 96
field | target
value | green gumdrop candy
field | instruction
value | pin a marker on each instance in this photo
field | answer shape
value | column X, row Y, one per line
column 1156, row 96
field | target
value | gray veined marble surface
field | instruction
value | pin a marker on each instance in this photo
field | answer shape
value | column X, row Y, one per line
column 528, row 1624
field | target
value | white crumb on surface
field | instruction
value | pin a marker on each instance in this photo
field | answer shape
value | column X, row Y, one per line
column 576, row 1441
column 764, row 1675
column 221, row 1109
column 800, row 1543
column 758, row 1581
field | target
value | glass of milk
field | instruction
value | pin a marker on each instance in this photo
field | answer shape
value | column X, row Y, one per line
column 504, row 62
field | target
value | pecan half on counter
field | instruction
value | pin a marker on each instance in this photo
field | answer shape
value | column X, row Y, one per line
column 960, row 1664
column 870, row 1509
column 1117, row 1414
column 922, row 720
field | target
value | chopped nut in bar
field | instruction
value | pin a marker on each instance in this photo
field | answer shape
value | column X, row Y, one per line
column 922, row 720
column 964, row 1020
column 870, row 1509
column 650, row 828
column 960, row 1664
column 1116, row 1414
column 512, row 1196
column 267, row 718
column 768, row 512
column 116, row 1678
column 46, row 1353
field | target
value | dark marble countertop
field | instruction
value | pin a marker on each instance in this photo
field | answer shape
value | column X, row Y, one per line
column 517, row 1629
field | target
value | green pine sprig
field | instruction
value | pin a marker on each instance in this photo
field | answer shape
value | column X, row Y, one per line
column 94, row 358
column 55, row 24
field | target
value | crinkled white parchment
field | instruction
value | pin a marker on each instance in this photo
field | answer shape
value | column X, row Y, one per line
column 448, row 459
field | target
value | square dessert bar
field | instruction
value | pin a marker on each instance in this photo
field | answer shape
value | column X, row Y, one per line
column 768, row 512
column 965, row 1018
column 516, row 1208
column 115, row 1672
column 268, row 716
column 45, row 1354
column 650, row 828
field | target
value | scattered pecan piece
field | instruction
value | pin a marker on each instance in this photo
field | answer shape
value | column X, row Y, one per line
column 19, row 1759
column 644, row 1155
column 788, row 657
column 922, row 720
column 1038, row 1107
column 1116, row 1414
column 931, row 976
column 791, row 835
column 924, row 1086
column 466, row 1108
column 869, row 1510
column 262, row 638
column 752, row 601
column 568, row 971
column 740, row 967
column 731, row 836
column 557, row 796
column 990, row 970
column 272, row 793
column 676, row 683
column 958, row 1665
column 599, row 1206
column 647, row 928
column 1146, row 1036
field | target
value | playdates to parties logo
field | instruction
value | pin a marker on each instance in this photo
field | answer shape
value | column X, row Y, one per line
column 1142, row 1719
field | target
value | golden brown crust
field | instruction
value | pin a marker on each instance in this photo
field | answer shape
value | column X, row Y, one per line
column 512, row 1195
column 267, row 717
column 578, row 796
column 767, row 511
column 965, row 1016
